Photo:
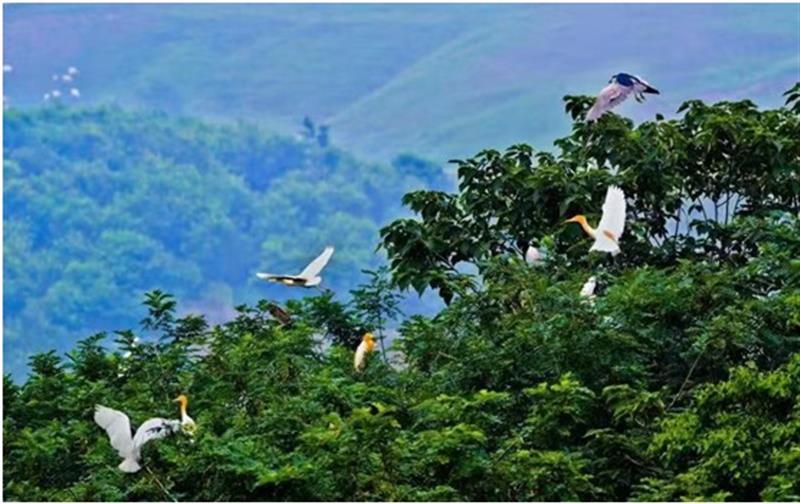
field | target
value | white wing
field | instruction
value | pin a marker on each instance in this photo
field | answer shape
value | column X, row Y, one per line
column 612, row 223
column 317, row 264
column 117, row 426
column 611, row 96
column 155, row 428
column 265, row 276
column 613, row 218
column 588, row 287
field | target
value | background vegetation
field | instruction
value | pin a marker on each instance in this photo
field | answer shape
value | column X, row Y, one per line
column 680, row 381
column 103, row 204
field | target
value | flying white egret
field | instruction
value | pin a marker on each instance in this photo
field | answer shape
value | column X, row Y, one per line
column 187, row 424
column 366, row 346
column 118, row 427
column 532, row 255
column 619, row 88
column 72, row 70
column 309, row 277
column 7, row 68
column 588, row 288
column 55, row 93
column 75, row 92
column 66, row 78
column 612, row 223
column 46, row 97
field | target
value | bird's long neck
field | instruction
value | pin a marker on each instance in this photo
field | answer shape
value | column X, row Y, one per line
column 586, row 227
column 184, row 405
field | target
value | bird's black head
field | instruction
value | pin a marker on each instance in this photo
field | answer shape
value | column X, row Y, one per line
column 624, row 79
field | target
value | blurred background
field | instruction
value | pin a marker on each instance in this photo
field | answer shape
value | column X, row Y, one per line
column 185, row 147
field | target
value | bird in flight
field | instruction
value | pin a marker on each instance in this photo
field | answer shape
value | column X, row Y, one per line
column 309, row 277
column 612, row 223
column 619, row 88
column 118, row 427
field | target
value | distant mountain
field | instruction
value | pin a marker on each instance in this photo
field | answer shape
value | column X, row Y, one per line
column 438, row 80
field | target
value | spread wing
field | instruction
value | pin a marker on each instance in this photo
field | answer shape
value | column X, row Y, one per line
column 611, row 96
column 117, row 426
column 155, row 428
column 317, row 264
column 613, row 219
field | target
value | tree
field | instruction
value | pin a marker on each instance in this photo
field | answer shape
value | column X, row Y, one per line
column 679, row 381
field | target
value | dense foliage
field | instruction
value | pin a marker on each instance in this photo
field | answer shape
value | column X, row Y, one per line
column 681, row 380
column 101, row 205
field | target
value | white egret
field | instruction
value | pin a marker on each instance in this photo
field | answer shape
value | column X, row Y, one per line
column 46, row 97
column 55, row 93
column 619, row 88
column 588, row 288
column 66, row 78
column 187, row 424
column 75, row 92
column 367, row 346
column 309, row 277
column 532, row 255
column 612, row 223
column 7, row 68
column 118, row 427
column 72, row 70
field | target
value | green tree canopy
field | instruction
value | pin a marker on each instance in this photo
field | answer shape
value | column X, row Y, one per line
column 680, row 380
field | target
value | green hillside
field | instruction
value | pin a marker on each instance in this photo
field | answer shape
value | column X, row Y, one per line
column 431, row 79
column 103, row 204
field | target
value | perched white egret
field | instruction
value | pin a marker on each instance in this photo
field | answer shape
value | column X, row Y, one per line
column 612, row 223
column 619, row 88
column 309, row 277
column 588, row 288
column 532, row 255
column 187, row 424
column 118, row 427
column 75, row 92
column 66, row 78
column 366, row 346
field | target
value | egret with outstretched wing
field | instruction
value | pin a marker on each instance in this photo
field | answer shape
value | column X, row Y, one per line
column 309, row 277
column 612, row 223
column 118, row 427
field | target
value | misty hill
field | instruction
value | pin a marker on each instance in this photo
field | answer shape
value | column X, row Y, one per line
column 431, row 79
column 103, row 204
